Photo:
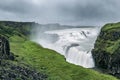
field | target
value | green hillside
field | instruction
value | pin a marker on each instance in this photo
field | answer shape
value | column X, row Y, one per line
column 44, row 60
column 107, row 49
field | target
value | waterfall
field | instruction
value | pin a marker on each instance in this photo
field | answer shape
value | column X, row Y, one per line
column 74, row 43
column 78, row 57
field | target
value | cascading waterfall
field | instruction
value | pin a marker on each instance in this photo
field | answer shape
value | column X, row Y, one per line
column 82, row 58
column 75, row 44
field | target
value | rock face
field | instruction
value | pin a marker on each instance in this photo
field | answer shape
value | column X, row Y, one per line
column 5, row 49
column 106, row 52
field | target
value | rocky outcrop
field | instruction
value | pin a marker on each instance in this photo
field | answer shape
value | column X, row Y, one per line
column 5, row 49
column 106, row 52
column 11, row 71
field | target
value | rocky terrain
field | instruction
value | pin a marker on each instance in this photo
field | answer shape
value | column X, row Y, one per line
column 11, row 71
column 5, row 49
column 106, row 52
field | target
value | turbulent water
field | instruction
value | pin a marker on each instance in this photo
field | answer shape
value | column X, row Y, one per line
column 74, row 43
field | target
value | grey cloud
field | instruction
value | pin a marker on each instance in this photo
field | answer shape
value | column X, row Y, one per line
column 16, row 6
column 92, row 11
column 78, row 12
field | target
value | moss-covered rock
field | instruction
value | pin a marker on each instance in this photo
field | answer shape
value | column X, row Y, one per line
column 106, row 52
column 10, row 71
column 5, row 49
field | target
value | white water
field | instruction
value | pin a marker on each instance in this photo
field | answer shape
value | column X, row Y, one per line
column 75, row 44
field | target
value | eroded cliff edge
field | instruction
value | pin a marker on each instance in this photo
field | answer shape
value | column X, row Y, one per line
column 106, row 52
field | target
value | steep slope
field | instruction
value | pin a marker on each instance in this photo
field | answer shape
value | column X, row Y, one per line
column 53, row 64
column 11, row 71
column 45, row 60
column 107, row 49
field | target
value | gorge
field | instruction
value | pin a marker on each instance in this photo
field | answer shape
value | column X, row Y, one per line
column 30, row 56
column 85, row 46
column 74, row 43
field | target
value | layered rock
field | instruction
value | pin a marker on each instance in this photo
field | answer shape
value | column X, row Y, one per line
column 106, row 52
column 5, row 49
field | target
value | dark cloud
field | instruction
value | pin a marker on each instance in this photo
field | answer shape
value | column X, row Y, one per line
column 78, row 12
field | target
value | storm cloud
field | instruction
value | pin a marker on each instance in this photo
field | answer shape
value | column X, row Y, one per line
column 75, row 12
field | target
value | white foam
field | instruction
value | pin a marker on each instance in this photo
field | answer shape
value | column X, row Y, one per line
column 75, row 44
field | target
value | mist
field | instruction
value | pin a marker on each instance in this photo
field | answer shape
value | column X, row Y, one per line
column 73, row 42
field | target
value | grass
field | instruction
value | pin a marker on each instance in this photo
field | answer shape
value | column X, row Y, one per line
column 114, row 47
column 109, row 40
column 41, row 59
column 110, row 26
column 51, row 62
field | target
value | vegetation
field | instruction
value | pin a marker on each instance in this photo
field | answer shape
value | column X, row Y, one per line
column 106, row 51
column 46, row 61
column 111, row 26
column 12, row 71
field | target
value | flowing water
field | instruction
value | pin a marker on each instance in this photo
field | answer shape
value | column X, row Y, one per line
column 74, row 43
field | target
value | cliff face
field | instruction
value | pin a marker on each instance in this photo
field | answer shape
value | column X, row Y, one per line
column 5, row 49
column 106, row 52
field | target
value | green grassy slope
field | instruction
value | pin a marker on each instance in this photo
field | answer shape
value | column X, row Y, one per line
column 109, row 38
column 110, row 26
column 49, row 61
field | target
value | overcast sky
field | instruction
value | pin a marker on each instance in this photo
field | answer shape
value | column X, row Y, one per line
column 75, row 12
